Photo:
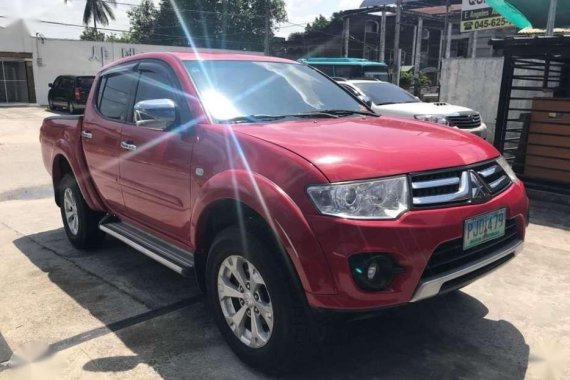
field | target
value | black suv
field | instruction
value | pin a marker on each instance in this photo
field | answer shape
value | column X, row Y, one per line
column 69, row 92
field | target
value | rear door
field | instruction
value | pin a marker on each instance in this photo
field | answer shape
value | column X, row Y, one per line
column 155, row 176
column 101, row 135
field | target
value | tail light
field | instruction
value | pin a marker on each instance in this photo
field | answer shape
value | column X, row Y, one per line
column 77, row 93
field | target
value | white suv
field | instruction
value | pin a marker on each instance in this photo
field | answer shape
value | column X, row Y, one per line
column 388, row 99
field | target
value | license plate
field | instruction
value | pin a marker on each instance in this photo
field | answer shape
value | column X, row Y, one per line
column 483, row 228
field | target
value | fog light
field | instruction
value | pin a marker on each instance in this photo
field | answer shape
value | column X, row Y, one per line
column 373, row 271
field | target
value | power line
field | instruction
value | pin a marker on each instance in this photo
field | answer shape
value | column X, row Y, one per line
column 156, row 34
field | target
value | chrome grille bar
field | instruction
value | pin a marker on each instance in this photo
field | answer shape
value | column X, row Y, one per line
column 435, row 183
column 461, row 194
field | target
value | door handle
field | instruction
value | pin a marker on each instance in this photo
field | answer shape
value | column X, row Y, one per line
column 86, row 134
column 128, row 146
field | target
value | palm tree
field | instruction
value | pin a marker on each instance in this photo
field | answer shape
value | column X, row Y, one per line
column 98, row 10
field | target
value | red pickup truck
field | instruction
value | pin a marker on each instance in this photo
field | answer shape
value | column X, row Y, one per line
column 284, row 194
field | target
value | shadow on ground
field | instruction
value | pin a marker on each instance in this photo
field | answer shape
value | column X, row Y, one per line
column 550, row 214
column 443, row 338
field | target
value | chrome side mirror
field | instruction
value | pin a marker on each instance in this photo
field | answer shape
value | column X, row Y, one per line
column 156, row 114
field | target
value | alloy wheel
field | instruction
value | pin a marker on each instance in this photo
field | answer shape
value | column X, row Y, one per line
column 245, row 301
column 70, row 209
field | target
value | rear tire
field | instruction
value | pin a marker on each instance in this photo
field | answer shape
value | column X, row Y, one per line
column 80, row 222
column 288, row 341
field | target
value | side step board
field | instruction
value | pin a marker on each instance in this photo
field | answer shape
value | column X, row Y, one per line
column 175, row 258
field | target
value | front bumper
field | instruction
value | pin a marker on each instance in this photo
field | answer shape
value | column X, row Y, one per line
column 410, row 241
column 467, row 273
column 480, row 131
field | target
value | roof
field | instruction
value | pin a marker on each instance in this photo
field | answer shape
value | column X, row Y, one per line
column 341, row 61
column 225, row 56
column 543, row 42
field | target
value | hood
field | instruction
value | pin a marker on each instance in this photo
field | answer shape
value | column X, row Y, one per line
column 369, row 147
column 419, row 108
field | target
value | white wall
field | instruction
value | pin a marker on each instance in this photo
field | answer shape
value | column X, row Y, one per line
column 473, row 83
column 58, row 57
column 14, row 36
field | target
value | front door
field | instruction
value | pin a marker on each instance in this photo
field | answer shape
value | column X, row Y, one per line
column 155, row 164
column 101, row 133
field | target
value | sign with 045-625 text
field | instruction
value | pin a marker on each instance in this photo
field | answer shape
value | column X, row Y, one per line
column 477, row 15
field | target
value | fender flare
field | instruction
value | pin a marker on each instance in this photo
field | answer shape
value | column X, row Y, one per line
column 280, row 212
column 80, row 171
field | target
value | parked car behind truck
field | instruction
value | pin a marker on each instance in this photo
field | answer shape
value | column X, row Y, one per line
column 69, row 92
column 391, row 100
column 282, row 207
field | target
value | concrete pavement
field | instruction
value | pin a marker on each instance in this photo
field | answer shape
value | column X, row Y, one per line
column 113, row 313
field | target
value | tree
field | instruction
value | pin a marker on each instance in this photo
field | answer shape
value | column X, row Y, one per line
column 142, row 19
column 320, row 23
column 91, row 34
column 98, row 11
column 232, row 24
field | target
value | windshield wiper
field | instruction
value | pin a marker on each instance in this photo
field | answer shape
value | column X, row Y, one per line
column 252, row 119
column 341, row 113
column 331, row 113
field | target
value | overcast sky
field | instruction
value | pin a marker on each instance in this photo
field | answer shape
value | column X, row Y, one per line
column 299, row 12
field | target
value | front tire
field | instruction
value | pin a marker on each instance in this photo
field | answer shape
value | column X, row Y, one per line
column 80, row 222
column 255, row 307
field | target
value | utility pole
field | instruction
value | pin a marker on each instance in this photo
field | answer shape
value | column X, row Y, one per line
column 346, row 31
column 397, row 54
column 448, row 44
column 418, row 56
column 267, row 26
column 474, row 44
column 551, row 17
column 383, row 37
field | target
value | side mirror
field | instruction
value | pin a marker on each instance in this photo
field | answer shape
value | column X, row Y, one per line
column 156, row 114
column 50, row 85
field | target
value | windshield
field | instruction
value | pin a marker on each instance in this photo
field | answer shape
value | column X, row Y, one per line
column 234, row 89
column 385, row 93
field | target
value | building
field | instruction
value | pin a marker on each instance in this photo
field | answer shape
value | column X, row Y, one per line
column 357, row 33
column 28, row 63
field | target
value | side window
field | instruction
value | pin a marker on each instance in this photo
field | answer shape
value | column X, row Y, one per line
column 66, row 83
column 115, row 94
column 155, row 85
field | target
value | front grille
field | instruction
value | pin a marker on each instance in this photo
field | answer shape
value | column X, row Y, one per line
column 450, row 255
column 466, row 121
column 458, row 185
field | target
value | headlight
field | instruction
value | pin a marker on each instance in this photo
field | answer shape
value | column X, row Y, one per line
column 378, row 199
column 507, row 168
column 438, row 119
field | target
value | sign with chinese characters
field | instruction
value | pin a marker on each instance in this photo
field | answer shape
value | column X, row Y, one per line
column 477, row 15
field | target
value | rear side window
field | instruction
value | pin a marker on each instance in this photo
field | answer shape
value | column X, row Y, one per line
column 113, row 99
column 84, row 83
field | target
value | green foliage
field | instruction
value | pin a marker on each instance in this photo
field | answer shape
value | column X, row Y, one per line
column 231, row 24
column 91, row 34
column 100, row 11
column 407, row 79
column 320, row 23
column 123, row 38
column 142, row 19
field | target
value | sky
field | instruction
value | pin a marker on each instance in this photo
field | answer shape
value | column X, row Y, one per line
column 298, row 11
